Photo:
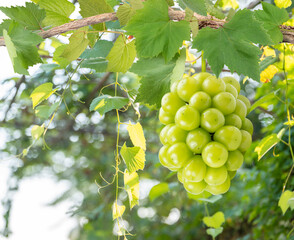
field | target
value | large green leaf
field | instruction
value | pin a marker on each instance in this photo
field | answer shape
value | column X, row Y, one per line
column 156, row 78
column 94, row 7
column 106, row 103
column 271, row 18
column 57, row 11
column 21, row 45
column 134, row 158
column 232, row 45
column 155, row 33
column 30, row 16
column 121, row 56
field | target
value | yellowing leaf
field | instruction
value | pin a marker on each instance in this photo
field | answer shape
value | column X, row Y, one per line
column 266, row 144
column 267, row 74
column 137, row 135
column 131, row 181
column 267, row 51
column 225, row 4
column 37, row 132
column 117, row 210
column 283, row 202
column 214, row 221
column 134, row 157
column 41, row 93
column 283, row 3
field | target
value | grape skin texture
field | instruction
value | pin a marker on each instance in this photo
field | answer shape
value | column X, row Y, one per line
column 206, row 132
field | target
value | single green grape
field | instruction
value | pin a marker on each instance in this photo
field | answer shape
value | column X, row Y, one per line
column 213, row 85
column 232, row 81
column 247, row 126
column 241, row 109
column 231, row 89
column 165, row 117
column 195, row 187
column 229, row 136
column 195, row 170
column 176, row 134
column 225, row 102
column 197, row 140
column 212, row 119
column 170, row 103
column 233, row 120
column 215, row 154
column 235, row 160
column 216, row 176
column 246, row 101
column 178, row 155
column 200, row 101
column 187, row 118
column 186, row 88
column 163, row 134
column 246, row 141
column 219, row 189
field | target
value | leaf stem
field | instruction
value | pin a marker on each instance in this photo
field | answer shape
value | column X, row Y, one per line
column 203, row 63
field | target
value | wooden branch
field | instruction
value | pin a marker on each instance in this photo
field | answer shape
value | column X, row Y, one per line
column 204, row 21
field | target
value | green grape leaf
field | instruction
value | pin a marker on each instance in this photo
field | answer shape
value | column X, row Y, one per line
column 57, row 11
column 215, row 221
column 266, row 144
column 232, row 45
column 136, row 4
column 158, row 190
column 213, row 11
column 112, row 3
column 284, row 200
column 41, row 93
column 137, row 135
column 155, row 33
column 37, row 132
column 30, row 16
column 117, row 210
column 21, row 47
column 100, row 50
column 44, row 111
column 134, row 158
column 156, row 78
column 94, row 7
column 98, row 64
column 124, row 13
column 5, row 25
column 121, row 56
column 179, row 69
column 106, row 103
column 63, row 62
column 214, row 232
column 271, row 18
column 78, row 42
column 198, row 6
column 131, row 182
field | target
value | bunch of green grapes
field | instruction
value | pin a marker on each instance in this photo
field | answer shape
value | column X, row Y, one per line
column 206, row 132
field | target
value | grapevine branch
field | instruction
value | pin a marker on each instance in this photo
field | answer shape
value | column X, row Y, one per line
column 204, row 21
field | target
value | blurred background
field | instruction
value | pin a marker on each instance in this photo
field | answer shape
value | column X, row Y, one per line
column 53, row 194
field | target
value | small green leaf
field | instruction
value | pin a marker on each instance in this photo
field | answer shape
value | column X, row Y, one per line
column 78, row 42
column 131, row 182
column 98, row 64
column 264, row 99
column 154, row 31
column 124, row 13
column 37, row 132
column 266, row 144
column 158, row 190
column 21, row 46
column 214, row 232
column 137, row 135
column 57, row 11
column 94, row 7
column 63, row 62
column 198, row 6
column 100, row 50
column 41, row 93
column 117, row 210
column 283, row 202
column 212, row 199
column 106, row 103
column 30, row 16
column 179, row 69
column 215, row 221
column 44, row 111
column 134, row 158
column 271, row 18
column 121, row 56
